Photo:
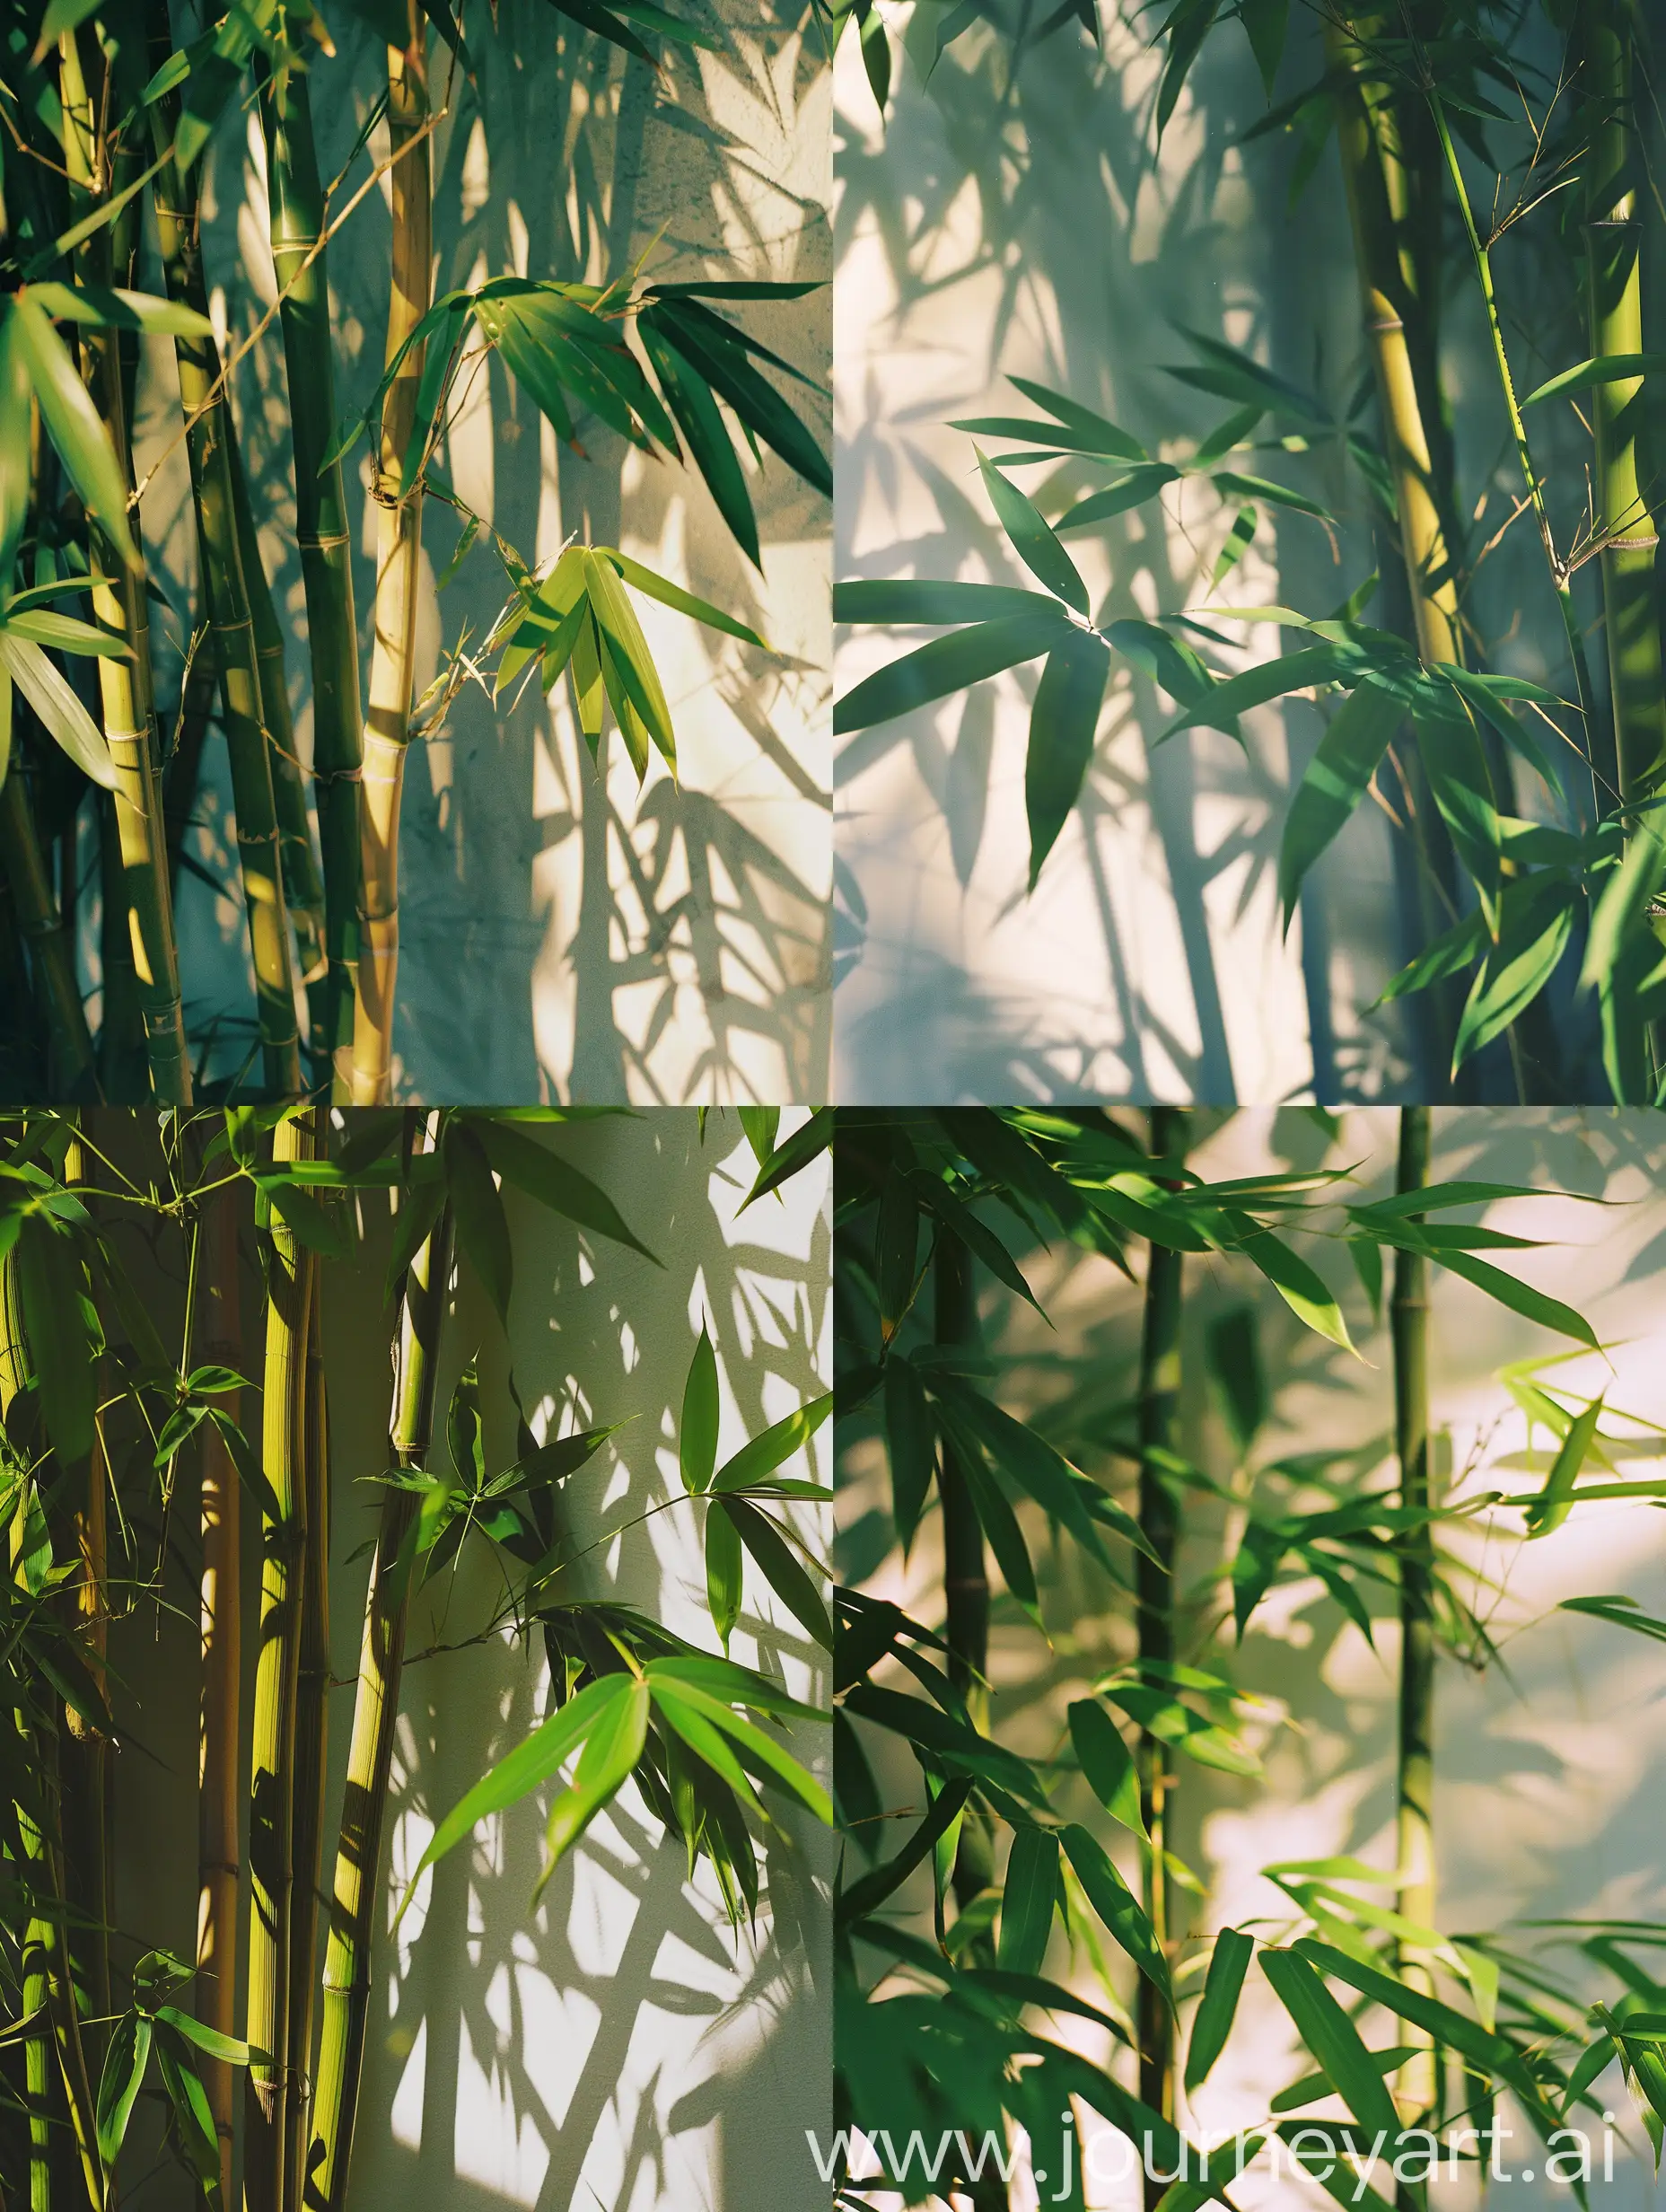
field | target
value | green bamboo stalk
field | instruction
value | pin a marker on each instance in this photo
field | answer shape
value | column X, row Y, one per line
column 966, row 1571
column 356, row 1897
column 225, row 590
column 322, row 533
column 75, row 1071
column 1614, row 235
column 1414, row 1778
column 303, row 887
column 291, row 1269
column 1158, row 1422
column 218, row 1870
column 37, row 2038
column 398, row 570
column 125, row 683
column 311, row 1760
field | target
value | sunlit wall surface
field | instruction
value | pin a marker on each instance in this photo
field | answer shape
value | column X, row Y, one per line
column 620, row 2045
column 1547, row 1796
column 1027, row 223
column 565, row 937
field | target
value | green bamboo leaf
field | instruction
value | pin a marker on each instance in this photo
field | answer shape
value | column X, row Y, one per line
column 690, row 401
column 193, row 2120
column 717, row 351
column 1029, row 1899
column 976, row 1235
column 1232, row 483
column 754, row 1461
column 724, row 1573
column 1167, row 661
column 696, row 1435
column 5, row 721
column 478, row 1210
column 1106, row 444
column 107, row 309
column 225, row 2047
column 1132, row 490
column 807, row 1141
column 552, row 1182
column 118, row 2086
column 63, row 633
column 948, row 1741
column 735, row 1685
column 896, row 1243
column 14, row 458
column 786, row 1770
column 1520, row 1298
column 73, row 424
column 1334, row 2041
column 521, row 1771
column 62, row 714
column 1535, row 928
column 1063, row 723
column 1116, row 1906
column 913, row 599
column 1072, row 413
column 1450, row 748
column 620, row 626
column 1107, row 1763
column 1220, row 706
column 1605, row 369
column 1239, row 540
column 61, row 15
column 615, row 1742
column 1031, row 538
column 780, row 1568
column 1491, row 2054
column 863, row 1897
column 1213, row 2021
column 945, row 665
column 56, row 1322
column 1334, row 783
column 1619, row 1612
column 669, row 594
column 1556, row 1501
column 1303, row 1290
column 1028, row 1459
column 911, row 1445
column 1159, row 1713
column 317, row 1225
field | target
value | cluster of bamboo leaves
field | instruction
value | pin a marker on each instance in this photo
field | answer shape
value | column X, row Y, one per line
column 105, row 1429
column 946, row 2005
column 1535, row 809
column 107, row 119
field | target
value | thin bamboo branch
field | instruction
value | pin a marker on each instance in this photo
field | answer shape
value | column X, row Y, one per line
column 225, row 590
column 354, row 1894
column 1158, row 1413
column 218, row 1870
column 290, row 1278
column 399, row 573
column 183, row 771
column 321, row 528
column 125, row 683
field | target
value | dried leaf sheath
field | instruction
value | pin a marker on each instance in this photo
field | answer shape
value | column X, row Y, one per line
column 398, row 568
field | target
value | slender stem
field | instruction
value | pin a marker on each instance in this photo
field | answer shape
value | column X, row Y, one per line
column 312, row 1756
column 1159, row 1418
column 290, row 1274
column 966, row 1571
column 321, row 527
column 1614, row 234
column 183, row 772
column 125, row 683
column 75, row 1071
column 355, row 1893
column 1413, row 1789
column 218, row 1870
column 1518, row 428
column 398, row 567
column 226, row 589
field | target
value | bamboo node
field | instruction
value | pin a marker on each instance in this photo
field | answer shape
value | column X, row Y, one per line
column 1385, row 322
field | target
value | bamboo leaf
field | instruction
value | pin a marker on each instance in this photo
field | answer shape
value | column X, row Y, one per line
column 911, row 1445
column 1535, row 928
column 778, row 1442
column 1619, row 1612
column 1029, row 1899
column 62, row 714
column 945, row 665
column 1107, row 1763
column 724, row 1573
column 73, row 424
column 192, row 2118
column 615, row 1742
column 552, row 1182
column 104, row 308
column 1303, row 1290
column 55, row 1317
column 1132, row 490
column 1116, row 1906
column 1220, row 708
column 14, row 458
column 118, row 2086
column 1063, row 723
column 697, row 1434
column 1334, row 783
column 663, row 1677
column 696, row 415
column 913, row 599
column 807, row 1141
column 1031, row 538
column 1556, row 1503
column 1213, row 2021
column 63, row 634
column 1605, row 369
column 1334, row 2041
column 478, row 1210
column 780, row 1569
column 673, row 595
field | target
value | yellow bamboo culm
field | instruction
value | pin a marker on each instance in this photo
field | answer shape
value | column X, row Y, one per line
column 398, row 569
column 217, row 1864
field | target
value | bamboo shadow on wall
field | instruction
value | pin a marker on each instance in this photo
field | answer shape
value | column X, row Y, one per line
column 559, row 2013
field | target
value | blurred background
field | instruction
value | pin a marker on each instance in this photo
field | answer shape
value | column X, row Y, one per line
column 565, row 938
column 1548, row 1798
column 1001, row 224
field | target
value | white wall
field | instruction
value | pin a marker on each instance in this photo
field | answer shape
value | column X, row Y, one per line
column 1548, row 1796
column 560, row 938
column 620, row 2046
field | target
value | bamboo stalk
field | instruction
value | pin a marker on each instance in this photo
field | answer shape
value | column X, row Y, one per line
column 1159, row 1416
column 321, row 527
column 1414, row 1778
column 966, row 1572
column 218, row 1870
column 290, row 1278
column 225, row 590
column 51, row 962
column 356, row 1897
column 1614, row 235
column 303, row 888
column 311, row 1761
column 124, row 684
column 398, row 569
